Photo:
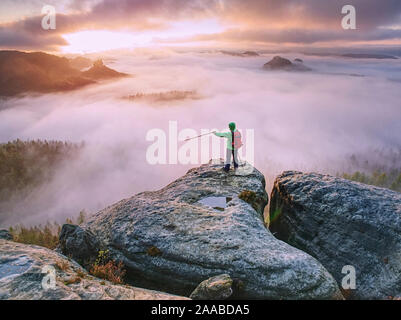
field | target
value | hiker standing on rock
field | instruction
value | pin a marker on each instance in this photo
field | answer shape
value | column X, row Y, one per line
column 234, row 142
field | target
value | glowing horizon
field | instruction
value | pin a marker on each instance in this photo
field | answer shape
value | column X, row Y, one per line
column 91, row 41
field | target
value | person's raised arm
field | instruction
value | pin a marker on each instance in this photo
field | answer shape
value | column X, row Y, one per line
column 222, row 134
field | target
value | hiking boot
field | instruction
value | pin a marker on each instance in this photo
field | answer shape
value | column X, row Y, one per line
column 226, row 168
column 236, row 165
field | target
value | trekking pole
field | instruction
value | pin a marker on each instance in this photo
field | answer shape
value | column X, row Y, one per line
column 205, row 134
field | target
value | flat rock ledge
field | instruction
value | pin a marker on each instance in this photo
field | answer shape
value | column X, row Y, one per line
column 205, row 224
column 23, row 268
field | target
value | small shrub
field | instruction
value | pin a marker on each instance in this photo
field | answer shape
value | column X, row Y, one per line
column 110, row 271
column 102, row 257
column 105, row 268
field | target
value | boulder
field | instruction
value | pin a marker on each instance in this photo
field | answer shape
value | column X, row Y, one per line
column 23, row 268
column 197, row 227
column 79, row 244
column 6, row 235
column 341, row 223
column 214, row 288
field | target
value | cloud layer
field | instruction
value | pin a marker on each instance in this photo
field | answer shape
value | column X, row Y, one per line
column 302, row 121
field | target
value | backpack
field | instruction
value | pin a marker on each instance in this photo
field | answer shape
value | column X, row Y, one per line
column 236, row 141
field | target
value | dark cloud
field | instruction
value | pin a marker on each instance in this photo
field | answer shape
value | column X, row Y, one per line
column 10, row 39
column 297, row 36
column 141, row 14
column 306, row 21
column 370, row 13
column 28, row 34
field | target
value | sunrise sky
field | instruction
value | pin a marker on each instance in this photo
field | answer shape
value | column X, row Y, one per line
column 98, row 25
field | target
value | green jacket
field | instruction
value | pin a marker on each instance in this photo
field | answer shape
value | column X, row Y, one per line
column 227, row 135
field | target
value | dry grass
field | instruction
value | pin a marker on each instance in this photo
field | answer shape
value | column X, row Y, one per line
column 62, row 265
column 105, row 268
column 111, row 271
column 72, row 280
column 80, row 273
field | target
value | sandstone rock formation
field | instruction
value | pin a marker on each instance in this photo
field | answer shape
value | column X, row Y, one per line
column 340, row 223
column 100, row 71
column 22, row 272
column 23, row 72
column 80, row 63
column 241, row 54
column 175, row 238
column 82, row 245
column 250, row 54
column 214, row 288
column 279, row 63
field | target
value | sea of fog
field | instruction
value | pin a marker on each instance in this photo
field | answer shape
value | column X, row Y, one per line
column 311, row 121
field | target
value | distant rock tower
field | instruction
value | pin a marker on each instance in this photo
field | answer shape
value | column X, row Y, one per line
column 98, row 63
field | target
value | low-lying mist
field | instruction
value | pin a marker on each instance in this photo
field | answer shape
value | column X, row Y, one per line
column 309, row 121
